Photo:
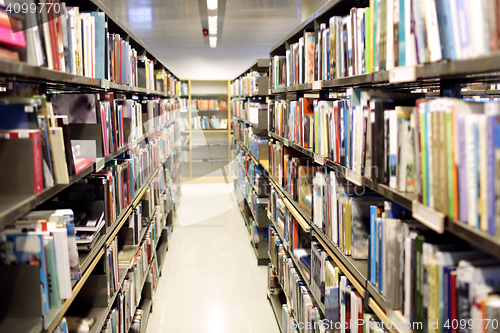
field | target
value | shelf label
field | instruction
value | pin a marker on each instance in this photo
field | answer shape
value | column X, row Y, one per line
column 348, row 92
column 403, row 74
column 286, row 142
column 99, row 164
column 428, row 216
column 353, row 177
column 317, row 85
column 320, row 159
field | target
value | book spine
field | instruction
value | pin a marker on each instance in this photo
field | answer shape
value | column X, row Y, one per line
column 449, row 161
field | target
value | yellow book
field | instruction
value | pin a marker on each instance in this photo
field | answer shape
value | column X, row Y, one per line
column 347, row 228
column 372, row 41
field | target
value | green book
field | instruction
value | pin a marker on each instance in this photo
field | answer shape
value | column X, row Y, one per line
column 423, row 149
column 368, row 59
column 418, row 281
column 53, row 283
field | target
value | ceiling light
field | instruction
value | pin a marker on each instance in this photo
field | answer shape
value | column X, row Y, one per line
column 213, row 42
column 212, row 4
column 212, row 25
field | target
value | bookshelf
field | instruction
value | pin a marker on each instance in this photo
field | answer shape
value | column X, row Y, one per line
column 251, row 179
column 443, row 78
column 208, row 99
column 157, row 182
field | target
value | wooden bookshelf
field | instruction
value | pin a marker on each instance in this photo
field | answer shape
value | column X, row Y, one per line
column 207, row 89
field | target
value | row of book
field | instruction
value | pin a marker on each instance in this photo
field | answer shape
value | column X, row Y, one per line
column 389, row 34
column 246, row 85
column 96, row 199
column 211, row 122
column 45, row 239
column 248, row 110
column 63, row 38
column 165, row 82
column 443, row 145
column 293, row 172
column 209, row 104
column 253, row 139
column 69, row 133
column 133, row 249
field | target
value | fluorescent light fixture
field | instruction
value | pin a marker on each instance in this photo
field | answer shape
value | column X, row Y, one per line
column 213, row 42
column 212, row 25
column 212, row 4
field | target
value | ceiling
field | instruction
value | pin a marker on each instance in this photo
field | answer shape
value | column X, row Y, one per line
column 172, row 30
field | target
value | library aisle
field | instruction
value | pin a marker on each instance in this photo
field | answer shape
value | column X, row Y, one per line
column 210, row 280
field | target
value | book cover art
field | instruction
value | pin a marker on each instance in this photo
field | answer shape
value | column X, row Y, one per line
column 80, row 108
column 26, row 249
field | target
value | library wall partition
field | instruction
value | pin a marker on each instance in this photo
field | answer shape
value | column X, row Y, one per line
column 207, row 130
column 250, row 152
column 90, row 137
column 383, row 198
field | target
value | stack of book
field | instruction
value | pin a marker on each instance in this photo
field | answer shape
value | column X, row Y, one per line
column 385, row 35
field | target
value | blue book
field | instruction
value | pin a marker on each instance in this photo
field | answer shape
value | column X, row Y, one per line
column 100, row 48
column 332, row 305
column 493, row 143
column 445, row 11
column 26, row 249
column 443, row 30
column 396, row 211
column 402, row 37
column 380, row 235
column 464, row 30
column 18, row 116
column 373, row 245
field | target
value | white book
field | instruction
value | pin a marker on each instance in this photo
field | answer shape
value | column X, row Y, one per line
column 288, row 64
column 483, row 171
column 410, row 48
column 33, row 41
column 393, row 149
column 91, row 26
column 354, row 312
column 433, row 37
column 476, row 25
column 60, row 236
column 471, row 167
column 301, row 59
column 46, row 36
column 343, row 282
column 390, row 35
column 333, row 208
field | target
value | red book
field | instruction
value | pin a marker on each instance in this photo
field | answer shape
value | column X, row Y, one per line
column 10, row 38
column 453, row 297
column 81, row 163
column 53, row 33
column 337, row 141
column 35, row 137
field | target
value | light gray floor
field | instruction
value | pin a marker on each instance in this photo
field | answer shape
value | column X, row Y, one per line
column 210, row 280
